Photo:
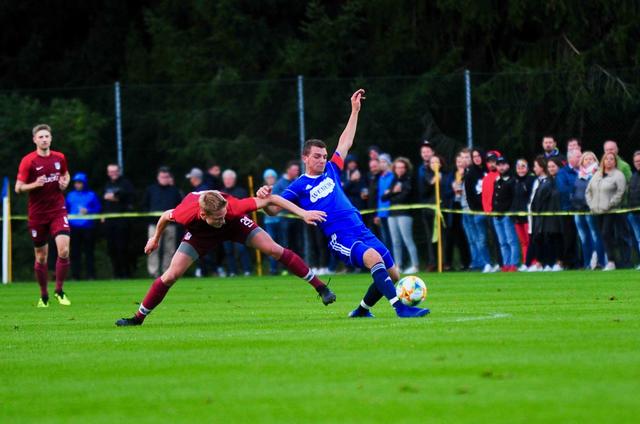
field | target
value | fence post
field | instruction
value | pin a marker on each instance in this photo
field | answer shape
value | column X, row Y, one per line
column 301, row 139
column 119, row 126
column 467, row 86
column 6, row 231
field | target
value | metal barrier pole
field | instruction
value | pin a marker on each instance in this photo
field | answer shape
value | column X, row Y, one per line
column 119, row 126
column 467, row 86
column 254, row 215
column 301, row 137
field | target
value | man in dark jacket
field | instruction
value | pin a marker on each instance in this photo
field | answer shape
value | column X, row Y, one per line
column 159, row 197
column 353, row 182
column 565, row 183
column 118, row 197
column 502, row 200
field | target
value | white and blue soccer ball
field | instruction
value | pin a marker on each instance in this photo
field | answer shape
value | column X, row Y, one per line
column 411, row 290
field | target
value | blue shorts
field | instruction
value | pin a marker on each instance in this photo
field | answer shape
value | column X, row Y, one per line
column 350, row 244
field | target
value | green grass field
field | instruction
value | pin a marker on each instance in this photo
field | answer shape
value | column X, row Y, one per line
column 503, row 348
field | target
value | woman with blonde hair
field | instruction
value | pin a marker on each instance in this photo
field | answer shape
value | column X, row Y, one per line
column 400, row 221
column 604, row 194
column 590, row 239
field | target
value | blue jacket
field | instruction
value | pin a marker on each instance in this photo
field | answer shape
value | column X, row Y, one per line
column 82, row 199
column 565, row 184
column 384, row 183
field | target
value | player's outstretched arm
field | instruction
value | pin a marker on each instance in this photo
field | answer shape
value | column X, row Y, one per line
column 310, row 217
column 154, row 241
column 22, row 187
column 349, row 133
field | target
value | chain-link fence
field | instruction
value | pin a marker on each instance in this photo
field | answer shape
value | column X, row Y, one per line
column 252, row 125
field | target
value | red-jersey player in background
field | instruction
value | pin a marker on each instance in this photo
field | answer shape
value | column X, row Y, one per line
column 210, row 218
column 44, row 175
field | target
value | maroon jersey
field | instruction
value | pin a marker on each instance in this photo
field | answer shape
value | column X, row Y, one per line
column 187, row 212
column 48, row 200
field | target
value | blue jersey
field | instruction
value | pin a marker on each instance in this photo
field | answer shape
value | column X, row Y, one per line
column 324, row 192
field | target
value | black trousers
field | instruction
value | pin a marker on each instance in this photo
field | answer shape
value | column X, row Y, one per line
column 83, row 243
column 569, row 242
column 117, row 235
column 612, row 229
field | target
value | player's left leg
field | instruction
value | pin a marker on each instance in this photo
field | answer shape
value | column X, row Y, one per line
column 260, row 239
column 181, row 261
column 62, row 267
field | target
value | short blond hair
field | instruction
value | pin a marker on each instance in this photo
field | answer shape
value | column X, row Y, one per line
column 40, row 127
column 588, row 154
column 211, row 201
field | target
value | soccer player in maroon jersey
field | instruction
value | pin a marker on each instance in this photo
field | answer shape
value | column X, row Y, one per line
column 210, row 218
column 44, row 175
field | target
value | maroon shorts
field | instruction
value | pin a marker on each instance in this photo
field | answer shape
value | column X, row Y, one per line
column 42, row 228
column 198, row 243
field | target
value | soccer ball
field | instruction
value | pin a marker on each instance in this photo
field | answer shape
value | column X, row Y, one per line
column 411, row 290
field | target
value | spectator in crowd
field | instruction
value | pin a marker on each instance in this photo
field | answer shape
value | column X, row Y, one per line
column 503, row 194
column 544, row 230
column 523, row 184
column 424, row 176
column 196, row 179
column 455, row 231
column 82, row 201
column 370, row 195
column 605, row 193
column 373, row 152
column 574, row 144
column 550, row 148
column 229, row 180
column 475, row 224
column 159, row 197
column 118, row 197
column 624, row 232
column 590, row 240
column 611, row 146
column 213, row 179
column 554, row 165
column 384, row 183
column 353, row 182
column 634, row 199
column 272, row 223
column 289, row 226
column 565, row 183
column 401, row 221
column 488, row 182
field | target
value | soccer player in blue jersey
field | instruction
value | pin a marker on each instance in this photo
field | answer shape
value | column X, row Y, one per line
column 349, row 239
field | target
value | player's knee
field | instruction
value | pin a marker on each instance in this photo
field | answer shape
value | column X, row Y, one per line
column 41, row 259
column 371, row 257
column 63, row 252
column 169, row 278
column 274, row 250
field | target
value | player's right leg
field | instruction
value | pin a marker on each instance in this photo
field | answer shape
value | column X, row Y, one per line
column 42, row 273
column 181, row 261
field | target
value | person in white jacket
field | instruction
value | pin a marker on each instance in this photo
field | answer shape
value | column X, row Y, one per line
column 604, row 194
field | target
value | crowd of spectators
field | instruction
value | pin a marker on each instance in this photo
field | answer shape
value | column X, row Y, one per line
column 553, row 213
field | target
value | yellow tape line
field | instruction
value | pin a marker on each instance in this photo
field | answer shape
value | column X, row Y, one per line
column 415, row 206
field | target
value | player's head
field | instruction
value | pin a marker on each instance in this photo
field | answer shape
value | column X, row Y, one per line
column 314, row 156
column 213, row 208
column 42, row 136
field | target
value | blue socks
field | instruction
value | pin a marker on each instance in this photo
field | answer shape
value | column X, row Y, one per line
column 383, row 283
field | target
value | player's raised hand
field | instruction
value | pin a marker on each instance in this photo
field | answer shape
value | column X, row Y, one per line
column 264, row 192
column 313, row 217
column 152, row 244
column 356, row 100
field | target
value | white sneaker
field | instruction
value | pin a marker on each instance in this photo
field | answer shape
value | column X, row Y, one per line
column 610, row 266
column 557, row 267
column 546, row 269
column 323, row 271
column 495, row 268
column 198, row 273
column 594, row 260
column 315, row 270
column 487, row 269
column 221, row 272
column 410, row 270
column 535, row 268
column 523, row 268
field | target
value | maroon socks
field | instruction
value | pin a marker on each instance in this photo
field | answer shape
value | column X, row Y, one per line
column 296, row 266
column 156, row 293
column 41, row 276
column 62, row 268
